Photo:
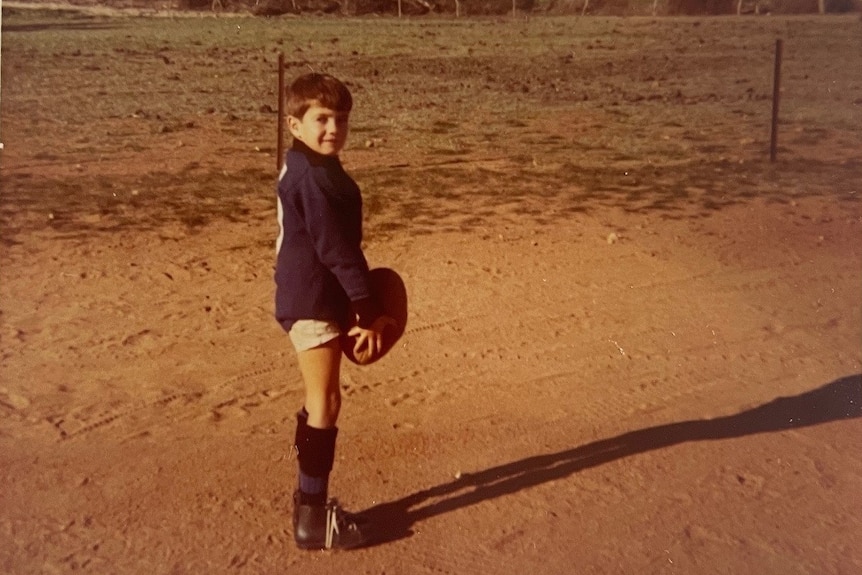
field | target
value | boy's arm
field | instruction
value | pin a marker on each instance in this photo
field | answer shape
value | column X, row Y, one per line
column 343, row 257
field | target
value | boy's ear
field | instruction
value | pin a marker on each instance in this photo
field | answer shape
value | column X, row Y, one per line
column 293, row 126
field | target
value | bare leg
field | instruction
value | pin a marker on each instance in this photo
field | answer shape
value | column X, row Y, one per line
column 321, row 372
column 315, row 524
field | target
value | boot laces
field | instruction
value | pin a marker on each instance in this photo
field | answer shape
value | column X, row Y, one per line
column 336, row 520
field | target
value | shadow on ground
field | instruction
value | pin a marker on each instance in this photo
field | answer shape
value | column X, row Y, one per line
column 409, row 199
column 840, row 399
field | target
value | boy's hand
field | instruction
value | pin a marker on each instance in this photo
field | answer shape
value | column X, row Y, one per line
column 369, row 342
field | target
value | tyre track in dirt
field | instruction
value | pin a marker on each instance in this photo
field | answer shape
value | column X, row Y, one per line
column 581, row 333
column 242, row 393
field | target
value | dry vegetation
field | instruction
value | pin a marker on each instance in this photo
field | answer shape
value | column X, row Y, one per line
column 557, row 114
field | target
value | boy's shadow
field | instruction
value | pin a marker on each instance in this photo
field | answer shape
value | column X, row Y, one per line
column 841, row 399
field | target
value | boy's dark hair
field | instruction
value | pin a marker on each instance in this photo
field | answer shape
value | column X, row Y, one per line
column 326, row 90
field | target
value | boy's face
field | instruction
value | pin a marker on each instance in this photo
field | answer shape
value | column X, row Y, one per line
column 322, row 129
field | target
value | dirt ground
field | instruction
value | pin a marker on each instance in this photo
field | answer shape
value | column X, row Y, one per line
column 635, row 344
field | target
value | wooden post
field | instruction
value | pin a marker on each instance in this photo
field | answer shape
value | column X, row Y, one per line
column 280, row 147
column 1, row 50
column 776, row 97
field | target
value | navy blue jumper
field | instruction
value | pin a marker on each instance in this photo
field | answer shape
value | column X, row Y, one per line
column 321, row 272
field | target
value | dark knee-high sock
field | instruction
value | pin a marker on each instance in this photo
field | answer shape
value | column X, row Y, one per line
column 316, row 449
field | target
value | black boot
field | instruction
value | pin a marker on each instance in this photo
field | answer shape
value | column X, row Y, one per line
column 327, row 527
column 316, row 523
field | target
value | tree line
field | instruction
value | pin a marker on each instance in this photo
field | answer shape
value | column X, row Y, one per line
column 501, row 7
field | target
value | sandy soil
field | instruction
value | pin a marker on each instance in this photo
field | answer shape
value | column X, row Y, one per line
column 603, row 391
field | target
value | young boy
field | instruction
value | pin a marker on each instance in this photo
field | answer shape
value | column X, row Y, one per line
column 322, row 291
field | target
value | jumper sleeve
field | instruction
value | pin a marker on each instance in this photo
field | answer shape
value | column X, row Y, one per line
column 367, row 310
column 337, row 251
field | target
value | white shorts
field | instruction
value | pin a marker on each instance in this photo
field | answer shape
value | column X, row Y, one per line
column 310, row 333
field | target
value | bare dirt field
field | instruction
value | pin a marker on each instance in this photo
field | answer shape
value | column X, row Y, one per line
column 635, row 344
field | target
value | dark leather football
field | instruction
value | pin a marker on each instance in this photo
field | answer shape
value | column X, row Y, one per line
column 388, row 289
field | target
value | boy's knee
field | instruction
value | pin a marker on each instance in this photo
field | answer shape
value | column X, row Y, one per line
column 323, row 409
